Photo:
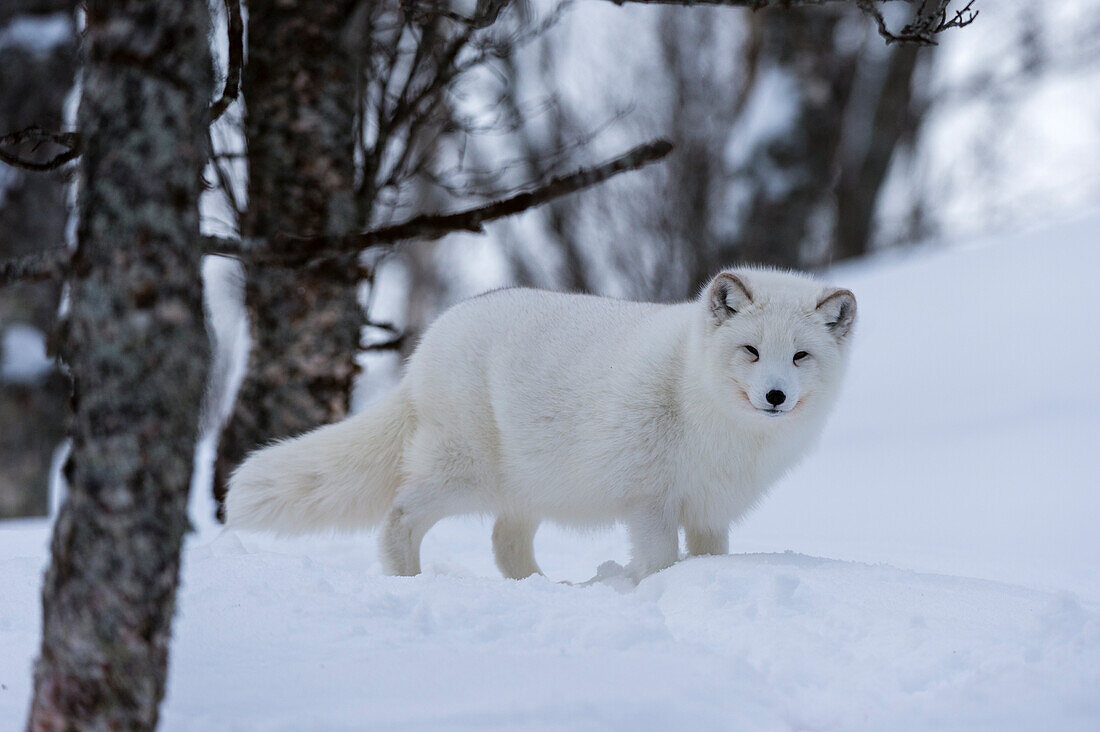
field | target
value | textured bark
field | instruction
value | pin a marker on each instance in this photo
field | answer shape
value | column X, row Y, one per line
column 137, row 348
column 299, row 92
column 33, row 87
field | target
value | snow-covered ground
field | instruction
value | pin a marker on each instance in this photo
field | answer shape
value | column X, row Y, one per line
column 934, row 565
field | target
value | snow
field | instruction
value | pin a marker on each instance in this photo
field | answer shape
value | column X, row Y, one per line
column 1009, row 135
column 23, row 357
column 769, row 114
column 38, row 35
column 965, row 442
column 933, row 565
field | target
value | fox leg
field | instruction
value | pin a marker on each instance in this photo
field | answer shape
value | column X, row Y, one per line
column 418, row 507
column 703, row 541
column 514, row 546
column 655, row 541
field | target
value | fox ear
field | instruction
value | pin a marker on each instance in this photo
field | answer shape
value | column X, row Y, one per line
column 727, row 294
column 838, row 308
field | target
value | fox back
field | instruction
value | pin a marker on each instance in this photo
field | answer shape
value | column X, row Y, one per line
column 532, row 405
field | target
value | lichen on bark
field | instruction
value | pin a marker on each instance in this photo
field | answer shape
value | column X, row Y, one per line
column 299, row 90
column 136, row 345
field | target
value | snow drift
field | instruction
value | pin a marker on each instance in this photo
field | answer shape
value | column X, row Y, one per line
column 964, row 448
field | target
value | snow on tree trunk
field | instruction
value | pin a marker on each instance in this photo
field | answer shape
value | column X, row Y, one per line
column 37, row 66
column 300, row 96
column 137, row 347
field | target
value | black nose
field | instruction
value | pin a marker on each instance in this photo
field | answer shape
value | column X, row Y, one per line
column 776, row 397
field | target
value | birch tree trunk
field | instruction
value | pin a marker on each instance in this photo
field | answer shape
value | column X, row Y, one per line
column 137, row 348
column 34, row 82
column 300, row 96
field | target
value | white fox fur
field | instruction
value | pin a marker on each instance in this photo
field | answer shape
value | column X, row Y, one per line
column 532, row 406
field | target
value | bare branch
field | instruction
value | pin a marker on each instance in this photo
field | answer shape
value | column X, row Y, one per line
column 932, row 16
column 52, row 264
column 394, row 341
column 289, row 250
column 236, row 59
column 225, row 180
column 393, row 344
column 485, row 14
column 70, row 141
column 35, row 137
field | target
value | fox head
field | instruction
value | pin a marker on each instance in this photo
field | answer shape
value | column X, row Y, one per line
column 775, row 343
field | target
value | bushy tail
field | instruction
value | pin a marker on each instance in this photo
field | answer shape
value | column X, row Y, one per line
column 341, row 476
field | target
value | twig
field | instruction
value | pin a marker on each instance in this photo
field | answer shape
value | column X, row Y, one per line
column 236, row 59
column 289, row 250
column 51, row 264
column 394, row 342
column 930, row 19
column 225, row 181
column 71, row 140
column 37, row 136
column 286, row 250
column 485, row 14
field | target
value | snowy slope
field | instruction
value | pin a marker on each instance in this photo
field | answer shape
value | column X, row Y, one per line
column 964, row 448
column 308, row 636
column 966, row 441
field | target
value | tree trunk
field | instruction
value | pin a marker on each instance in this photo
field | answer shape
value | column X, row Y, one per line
column 33, row 85
column 300, row 97
column 866, row 159
column 803, row 185
column 137, row 348
column 786, row 173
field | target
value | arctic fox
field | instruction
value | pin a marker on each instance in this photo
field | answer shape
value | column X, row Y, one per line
column 537, row 406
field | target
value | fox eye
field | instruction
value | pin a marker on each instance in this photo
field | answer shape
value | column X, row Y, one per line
column 800, row 355
column 755, row 353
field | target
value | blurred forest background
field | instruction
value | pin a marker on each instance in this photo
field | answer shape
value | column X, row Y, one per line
column 223, row 224
column 801, row 139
